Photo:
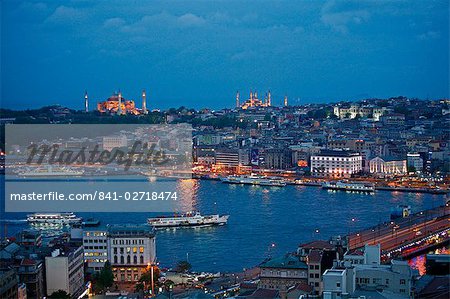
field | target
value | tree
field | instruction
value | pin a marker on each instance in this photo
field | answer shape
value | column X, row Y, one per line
column 59, row 295
column 183, row 266
column 146, row 279
column 147, row 275
column 105, row 278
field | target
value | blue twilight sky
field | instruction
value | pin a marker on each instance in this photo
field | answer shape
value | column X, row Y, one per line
column 198, row 53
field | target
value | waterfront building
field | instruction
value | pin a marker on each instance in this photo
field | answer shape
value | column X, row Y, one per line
column 64, row 270
column 387, row 166
column 205, row 160
column 8, row 283
column 131, row 250
column 283, row 273
column 95, row 245
column 415, row 161
column 226, row 157
column 278, row 158
column 336, row 163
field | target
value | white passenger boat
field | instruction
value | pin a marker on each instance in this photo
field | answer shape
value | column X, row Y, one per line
column 356, row 187
column 188, row 220
column 53, row 219
column 253, row 180
column 50, row 171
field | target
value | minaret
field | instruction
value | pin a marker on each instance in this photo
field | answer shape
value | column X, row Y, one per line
column 251, row 98
column 86, row 102
column 119, row 110
column 269, row 100
column 285, row 101
column 144, row 102
column 238, row 103
column 256, row 95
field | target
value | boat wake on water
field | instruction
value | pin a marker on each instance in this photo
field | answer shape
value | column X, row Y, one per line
column 13, row 221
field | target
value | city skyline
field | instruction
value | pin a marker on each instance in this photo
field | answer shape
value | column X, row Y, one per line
column 196, row 55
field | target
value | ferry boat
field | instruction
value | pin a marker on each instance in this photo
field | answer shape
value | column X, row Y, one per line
column 253, row 180
column 58, row 219
column 91, row 222
column 190, row 219
column 50, row 172
column 351, row 187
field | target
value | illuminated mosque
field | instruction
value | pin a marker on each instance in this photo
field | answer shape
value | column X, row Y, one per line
column 254, row 101
column 116, row 104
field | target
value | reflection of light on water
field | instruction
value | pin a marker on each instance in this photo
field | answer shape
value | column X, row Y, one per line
column 266, row 195
column 420, row 262
column 187, row 194
column 418, row 197
column 395, row 196
column 151, row 179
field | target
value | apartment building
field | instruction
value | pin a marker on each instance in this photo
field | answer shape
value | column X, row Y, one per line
column 95, row 244
column 64, row 271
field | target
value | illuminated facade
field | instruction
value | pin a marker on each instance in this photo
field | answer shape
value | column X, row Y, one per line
column 116, row 104
column 335, row 163
column 131, row 251
column 95, row 249
column 254, row 101
column 388, row 166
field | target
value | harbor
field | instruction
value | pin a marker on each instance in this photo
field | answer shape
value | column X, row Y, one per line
column 254, row 222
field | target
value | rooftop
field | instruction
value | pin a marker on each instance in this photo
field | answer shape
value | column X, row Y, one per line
column 317, row 244
column 130, row 230
column 315, row 256
column 288, row 261
column 337, row 153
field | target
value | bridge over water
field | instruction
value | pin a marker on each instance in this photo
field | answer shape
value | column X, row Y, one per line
column 408, row 236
